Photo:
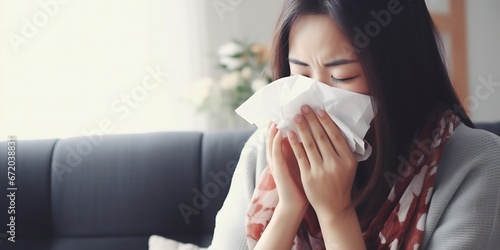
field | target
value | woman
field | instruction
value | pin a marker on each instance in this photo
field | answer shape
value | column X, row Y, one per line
column 432, row 180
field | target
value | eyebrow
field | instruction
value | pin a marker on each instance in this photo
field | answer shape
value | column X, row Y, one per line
column 329, row 64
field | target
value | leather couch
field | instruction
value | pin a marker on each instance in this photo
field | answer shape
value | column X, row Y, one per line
column 114, row 191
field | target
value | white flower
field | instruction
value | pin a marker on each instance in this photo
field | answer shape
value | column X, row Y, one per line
column 258, row 84
column 227, row 53
column 246, row 72
column 231, row 63
column 230, row 49
column 201, row 90
column 230, row 80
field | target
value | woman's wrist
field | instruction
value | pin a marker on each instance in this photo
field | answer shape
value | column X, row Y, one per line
column 290, row 210
column 331, row 211
column 336, row 218
column 282, row 228
column 341, row 230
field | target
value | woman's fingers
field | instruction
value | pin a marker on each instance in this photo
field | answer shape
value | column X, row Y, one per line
column 320, row 136
column 277, row 153
column 322, row 141
column 334, row 134
column 271, row 132
column 274, row 151
column 307, row 140
column 298, row 151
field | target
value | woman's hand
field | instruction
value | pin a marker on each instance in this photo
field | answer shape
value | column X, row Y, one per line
column 292, row 204
column 285, row 171
column 327, row 165
column 327, row 170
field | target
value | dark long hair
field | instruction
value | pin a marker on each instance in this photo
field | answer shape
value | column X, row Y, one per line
column 399, row 49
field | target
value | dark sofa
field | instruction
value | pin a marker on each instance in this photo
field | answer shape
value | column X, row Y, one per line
column 72, row 194
column 114, row 191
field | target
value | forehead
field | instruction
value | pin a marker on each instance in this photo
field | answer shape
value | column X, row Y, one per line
column 319, row 35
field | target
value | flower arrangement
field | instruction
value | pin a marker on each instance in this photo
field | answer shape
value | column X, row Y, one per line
column 244, row 72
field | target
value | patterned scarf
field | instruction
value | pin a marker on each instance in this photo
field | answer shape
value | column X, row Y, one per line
column 400, row 222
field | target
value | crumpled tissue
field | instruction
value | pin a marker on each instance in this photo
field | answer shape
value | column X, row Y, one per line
column 282, row 99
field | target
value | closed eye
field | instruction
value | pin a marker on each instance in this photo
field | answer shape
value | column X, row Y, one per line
column 337, row 80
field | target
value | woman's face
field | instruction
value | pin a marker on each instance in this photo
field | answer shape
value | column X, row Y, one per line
column 319, row 50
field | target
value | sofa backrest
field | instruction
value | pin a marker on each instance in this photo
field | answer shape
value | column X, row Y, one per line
column 125, row 185
column 32, row 197
column 493, row 127
column 169, row 183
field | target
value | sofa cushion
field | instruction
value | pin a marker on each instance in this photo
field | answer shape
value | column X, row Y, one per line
column 126, row 185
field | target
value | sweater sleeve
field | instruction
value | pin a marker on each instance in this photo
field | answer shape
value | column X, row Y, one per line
column 465, row 208
column 230, row 232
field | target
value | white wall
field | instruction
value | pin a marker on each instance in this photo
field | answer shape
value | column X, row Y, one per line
column 483, row 38
column 67, row 66
column 483, row 20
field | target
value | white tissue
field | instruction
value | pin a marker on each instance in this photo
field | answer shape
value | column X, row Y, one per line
column 282, row 99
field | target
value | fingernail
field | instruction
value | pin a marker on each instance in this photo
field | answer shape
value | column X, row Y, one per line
column 273, row 127
column 291, row 135
column 298, row 118
column 306, row 109
column 322, row 113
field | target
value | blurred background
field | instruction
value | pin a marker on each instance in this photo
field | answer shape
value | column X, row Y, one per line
column 74, row 67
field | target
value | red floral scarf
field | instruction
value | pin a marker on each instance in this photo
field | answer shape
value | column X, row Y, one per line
column 400, row 223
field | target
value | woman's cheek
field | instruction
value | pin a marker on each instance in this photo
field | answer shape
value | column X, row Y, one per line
column 360, row 86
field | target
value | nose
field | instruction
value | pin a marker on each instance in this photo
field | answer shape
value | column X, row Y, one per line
column 320, row 76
